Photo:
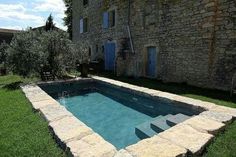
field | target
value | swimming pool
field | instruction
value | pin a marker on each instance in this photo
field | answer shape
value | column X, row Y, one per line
column 120, row 116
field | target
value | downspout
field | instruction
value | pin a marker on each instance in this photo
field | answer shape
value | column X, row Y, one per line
column 128, row 28
column 130, row 37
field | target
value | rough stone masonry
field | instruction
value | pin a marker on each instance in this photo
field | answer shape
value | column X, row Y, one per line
column 195, row 40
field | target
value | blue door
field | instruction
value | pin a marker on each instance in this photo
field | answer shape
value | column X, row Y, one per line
column 152, row 62
column 110, row 50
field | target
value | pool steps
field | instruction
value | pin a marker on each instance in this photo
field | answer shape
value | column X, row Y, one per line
column 158, row 125
column 179, row 118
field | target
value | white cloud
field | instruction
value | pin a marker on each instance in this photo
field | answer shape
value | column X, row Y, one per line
column 13, row 27
column 56, row 6
column 25, row 14
column 17, row 12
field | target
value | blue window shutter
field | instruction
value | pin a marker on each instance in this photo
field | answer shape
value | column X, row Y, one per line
column 81, row 27
column 105, row 20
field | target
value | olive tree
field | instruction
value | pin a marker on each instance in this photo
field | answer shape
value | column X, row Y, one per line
column 31, row 52
column 25, row 54
column 3, row 54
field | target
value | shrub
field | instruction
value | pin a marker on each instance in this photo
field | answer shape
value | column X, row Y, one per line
column 31, row 52
column 25, row 54
column 3, row 54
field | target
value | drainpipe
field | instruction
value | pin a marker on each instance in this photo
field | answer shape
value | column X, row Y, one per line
column 128, row 28
column 130, row 37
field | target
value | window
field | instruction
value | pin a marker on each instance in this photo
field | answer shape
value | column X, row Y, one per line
column 103, row 49
column 90, row 52
column 83, row 25
column 109, row 19
column 105, row 20
column 85, row 2
column 96, row 48
column 112, row 18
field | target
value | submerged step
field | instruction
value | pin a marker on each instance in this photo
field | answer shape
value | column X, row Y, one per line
column 176, row 119
column 160, row 125
column 144, row 130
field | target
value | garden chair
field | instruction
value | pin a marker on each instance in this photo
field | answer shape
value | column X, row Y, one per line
column 233, row 85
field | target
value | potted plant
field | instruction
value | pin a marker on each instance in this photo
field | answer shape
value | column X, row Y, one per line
column 82, row 53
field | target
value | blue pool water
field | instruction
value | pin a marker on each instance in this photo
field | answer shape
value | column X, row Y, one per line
column 114, row 121
column 110, row 111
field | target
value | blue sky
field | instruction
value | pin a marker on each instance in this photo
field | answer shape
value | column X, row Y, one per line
column 20, row 14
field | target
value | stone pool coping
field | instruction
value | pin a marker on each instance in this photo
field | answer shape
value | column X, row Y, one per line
column 188, row 138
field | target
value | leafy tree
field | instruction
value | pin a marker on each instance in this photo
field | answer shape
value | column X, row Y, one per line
column 3, row 54
column 68, row 18
column 59, row 50
column 49, row 23
column 25, row 54
column 31, row 52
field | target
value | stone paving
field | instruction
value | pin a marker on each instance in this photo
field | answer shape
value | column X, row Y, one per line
column 77, row 139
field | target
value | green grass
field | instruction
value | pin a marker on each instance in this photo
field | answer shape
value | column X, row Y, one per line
column 225, row 144
column 22, row 132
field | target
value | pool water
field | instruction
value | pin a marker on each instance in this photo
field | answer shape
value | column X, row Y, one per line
column 112, row 112
column 109, row 118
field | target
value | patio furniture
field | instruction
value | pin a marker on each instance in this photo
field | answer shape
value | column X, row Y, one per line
column 233, row 85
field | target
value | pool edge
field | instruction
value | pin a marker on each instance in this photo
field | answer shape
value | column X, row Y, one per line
column 86, row 139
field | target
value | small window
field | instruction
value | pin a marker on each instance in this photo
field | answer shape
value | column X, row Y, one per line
column 83, row 25
column 109, row 19
column 105, row 20
column 86, row 25
column 103, row 49
column 112, row 18
column 90, row 51
column 96, row 48
column 85, row 2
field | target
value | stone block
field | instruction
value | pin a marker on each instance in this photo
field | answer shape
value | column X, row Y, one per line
column 225, row 110
column 217, row 116
column 204, row 124
column 188, row 137
column 123, row 153
column 68, row 129
column 156, row 147
column 54, row 112
column 91, row 146
column 40, row 104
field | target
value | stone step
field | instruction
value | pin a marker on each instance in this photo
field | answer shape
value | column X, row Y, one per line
column 176, row 119
column 144, row 130
column 160, row 125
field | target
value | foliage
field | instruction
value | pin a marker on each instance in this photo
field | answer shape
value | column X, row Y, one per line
column 25, row 54
column 3, row 54
column 31, row 52
column 60, row 52
column 68, row 18
column 49, row 23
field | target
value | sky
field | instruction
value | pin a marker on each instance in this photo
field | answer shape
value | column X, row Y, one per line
column 21, row 14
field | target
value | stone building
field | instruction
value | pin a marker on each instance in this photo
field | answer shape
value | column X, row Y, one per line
column 186, row 41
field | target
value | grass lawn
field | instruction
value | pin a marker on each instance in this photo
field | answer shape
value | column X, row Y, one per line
column 225, row 144
column 22, row 132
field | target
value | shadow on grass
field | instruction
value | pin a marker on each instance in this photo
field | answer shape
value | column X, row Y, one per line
column 13, row 86
column 176, row 88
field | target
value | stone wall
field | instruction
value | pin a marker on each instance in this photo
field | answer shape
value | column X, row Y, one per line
column 196, row 40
